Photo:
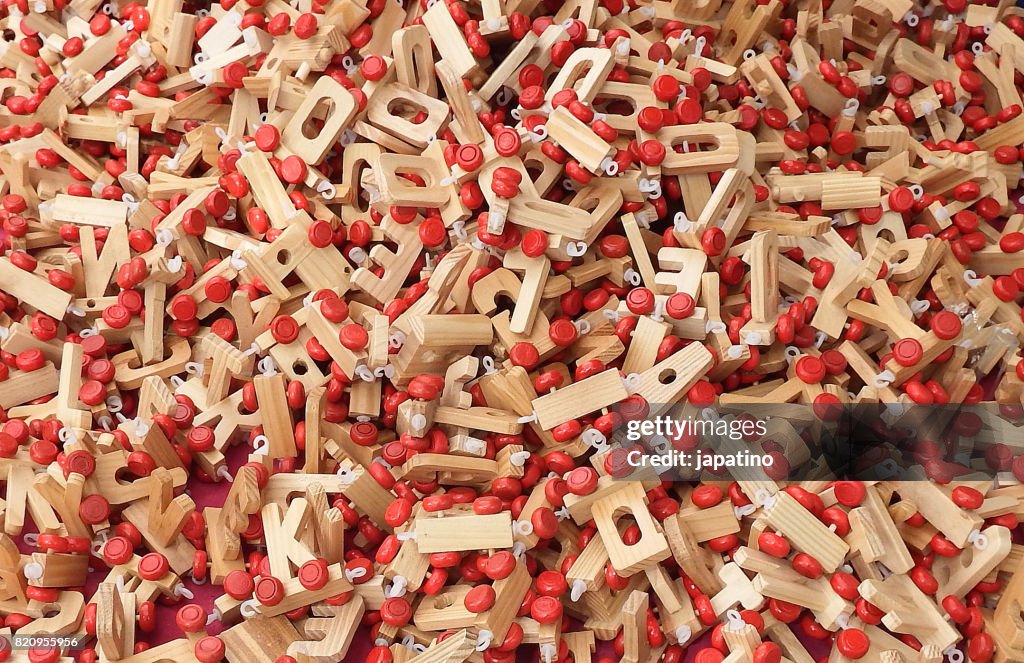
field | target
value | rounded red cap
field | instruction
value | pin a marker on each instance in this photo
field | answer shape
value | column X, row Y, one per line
column 313, row 574
column 153, row 566
column 117, row 550
column 907, row 352
column 284, row 329
column 269, row 590
column 209, row 649
column 320, row 234
column 94, row 510
column 80, row 461
column 507, row 142
column 239, row 585
column 946, row 325
column 191, row 618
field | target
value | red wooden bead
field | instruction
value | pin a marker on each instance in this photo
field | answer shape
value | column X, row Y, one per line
column 479, row 599
column 853, row 643
column 773, row 544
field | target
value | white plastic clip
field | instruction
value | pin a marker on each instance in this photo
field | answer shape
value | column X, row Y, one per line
column 519, row 458
column 576, row 249
column 577, row 590
column 979, row 540
column 883, row 379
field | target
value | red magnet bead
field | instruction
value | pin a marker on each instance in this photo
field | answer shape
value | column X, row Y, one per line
column 807, row 566
column 562, row 333
column 507, row 142
column 582, row 481
column 810, row 370
column 334, row 309
column 353, row 337
column 373, row 68
column 293, row 169
column 80, row 461
column 713, row 241
column 239, row 585
column 469, row 157
column 546, row 610
column 313, row 574
column 524, row 354
column 396, row 611
column 117, row 550
column 907, row 352
column 640, row 301
column 29, row 360
column 217, row 289
column 363, row 433
column 535, row 243
column 191, row 618
column 843, row 143
column 209, row 649
column 767, row 652
column 652, row 152
column 153, row 566
column 666, row 88
column 967, row 497
column 680, row 306
column 849, row 493
column 901, row 199
column 184, row 307
column 194, row 222
column 92, row 392
column 479, row 599
column 500, row 565
column 284, row 329
column 432, row 232
column 545, row 522
column 117, row 316
column 200, row 438
column 267, row 137
column 269, row 590
column 773, row 544
column 94, row 510
column 853, row 643
column 946, row 325
column 320, row 233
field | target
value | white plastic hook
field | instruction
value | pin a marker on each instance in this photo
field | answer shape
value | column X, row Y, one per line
column 519, row 458
column 971, row 278
column 355, row 574
column 484, row 639
column 744, row 511
column 249, row 608
column 715, row 327
column 267, row 366
column 681, row 223
column 979, row 540
column 683, row 634
column 261, row 445
column 397, row 588
column 489, row 365
column 632, row 277
column 522, row 527
column 595, row 439
column 577, row 590
column 184, row 592
column 953, row 655
column 576, row 249
column 883, row 379
column 735, row 622
column 346, row 476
